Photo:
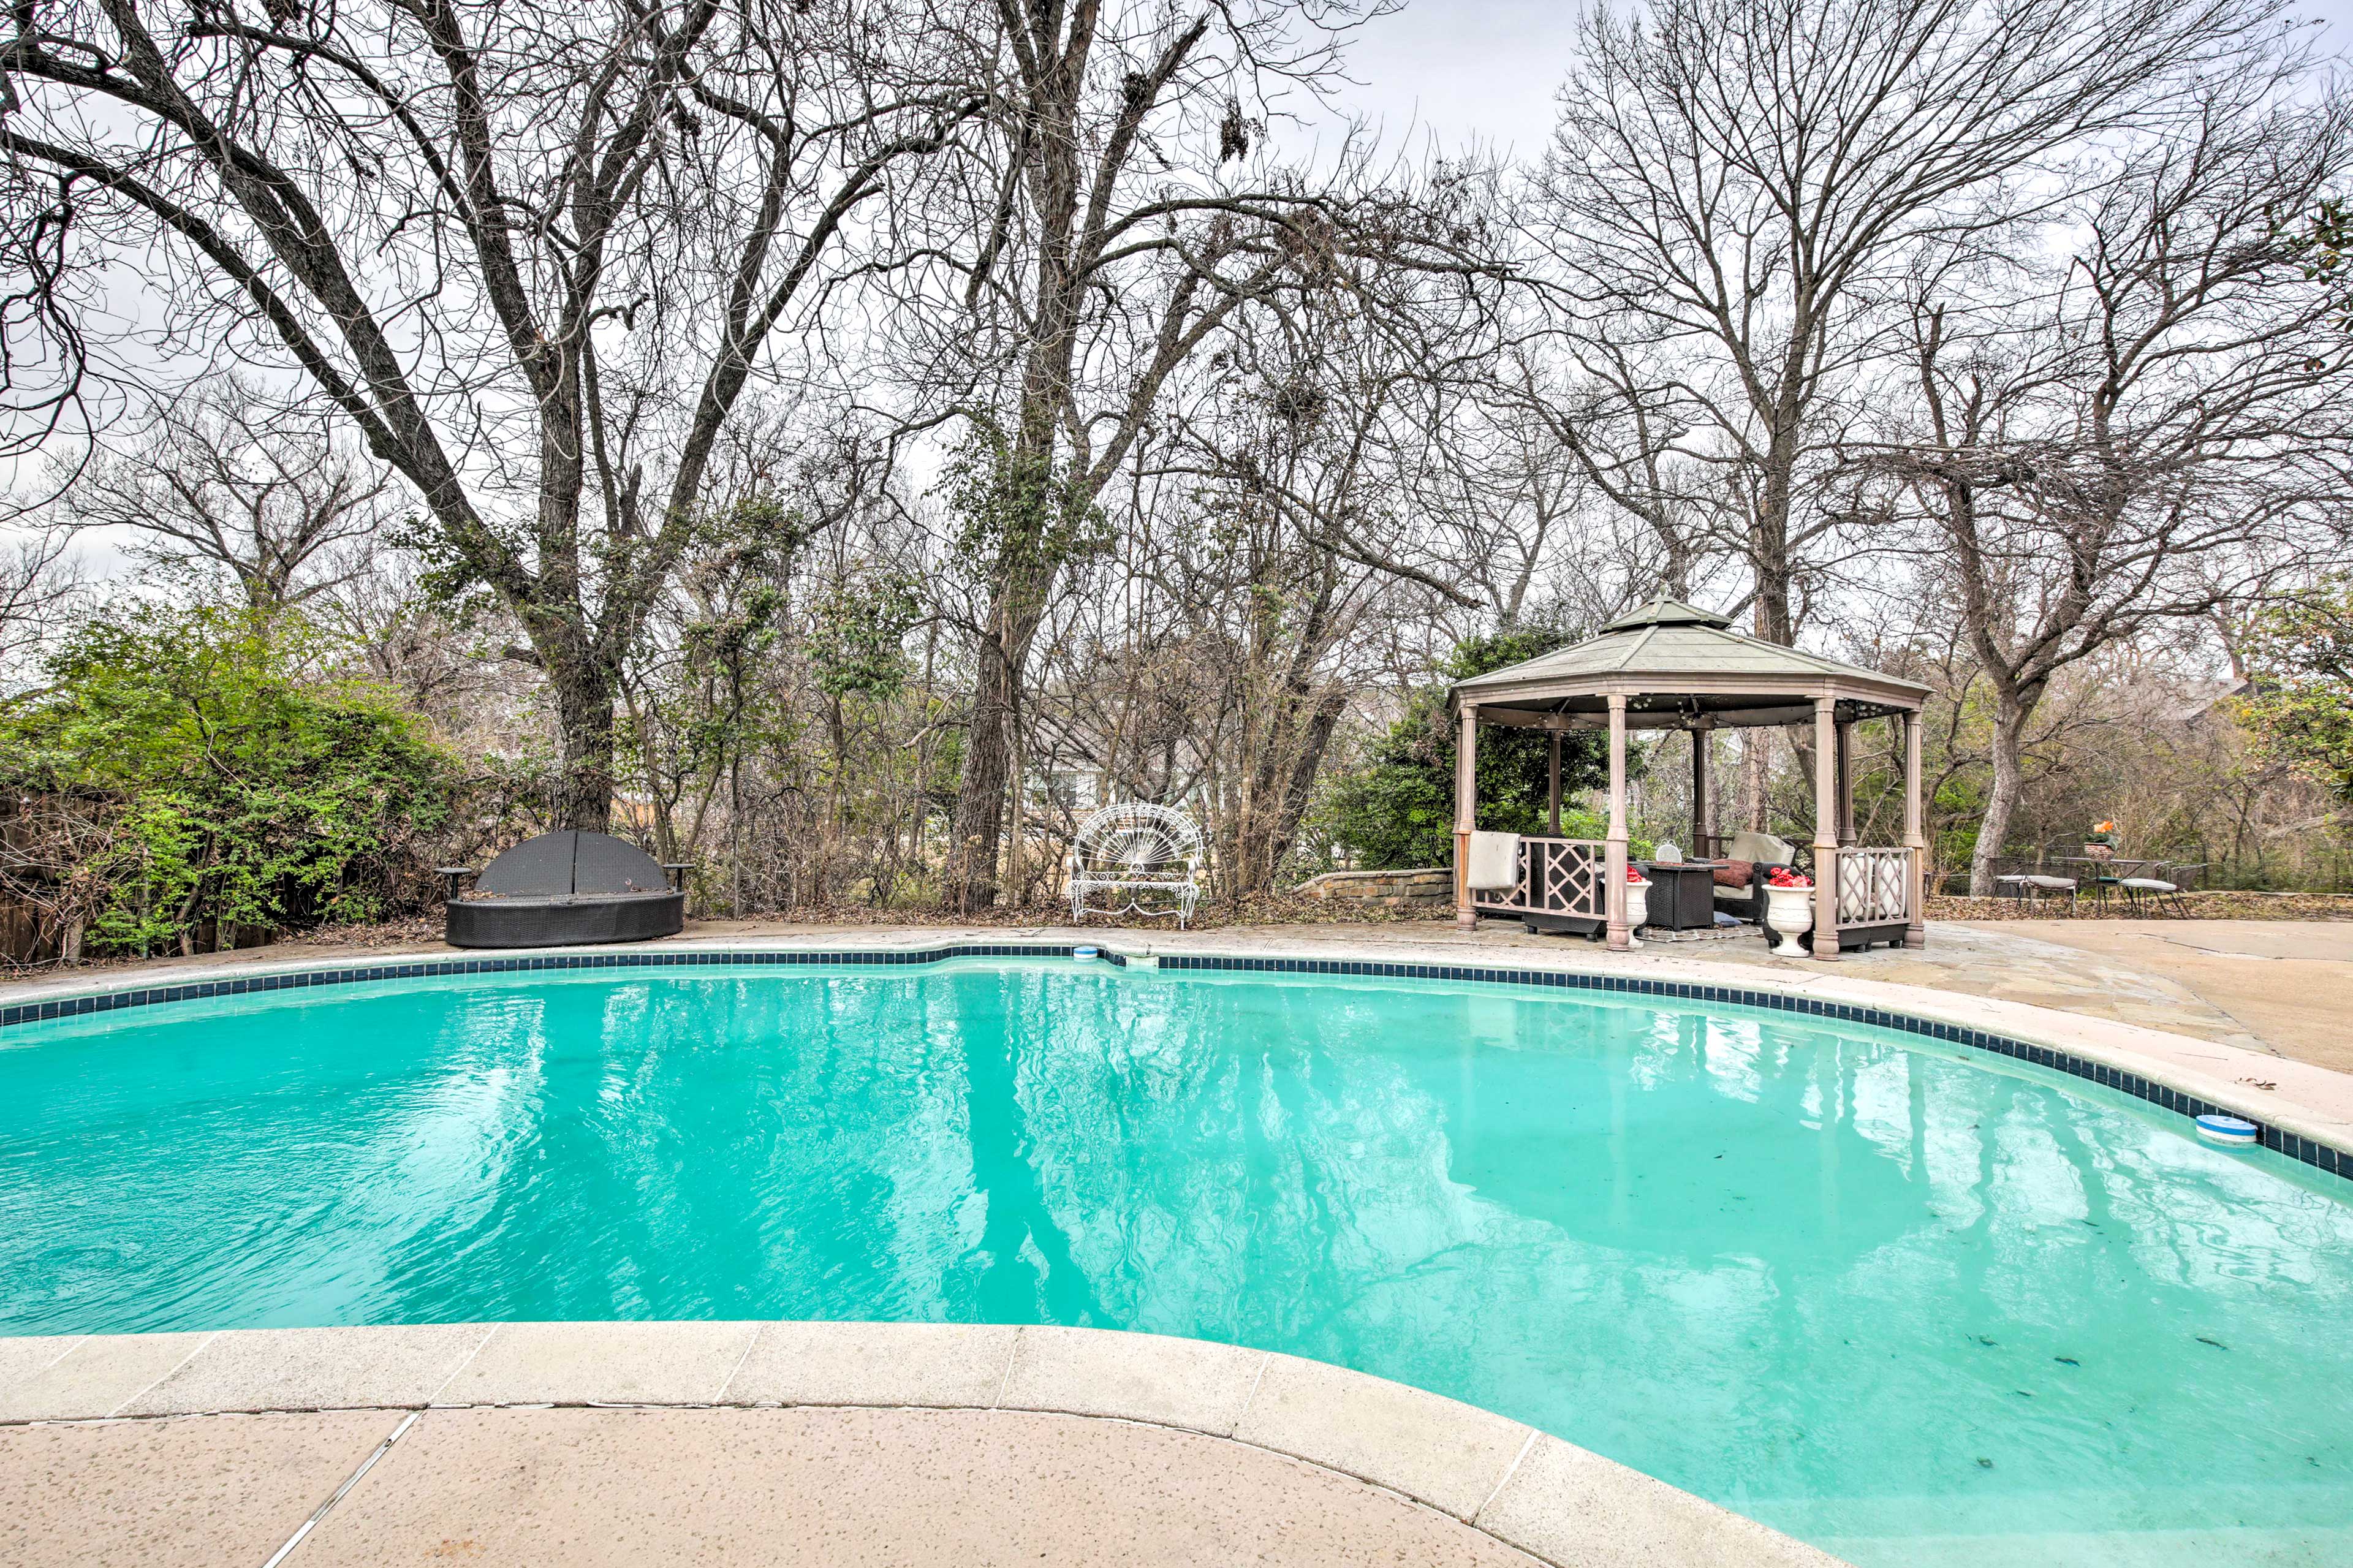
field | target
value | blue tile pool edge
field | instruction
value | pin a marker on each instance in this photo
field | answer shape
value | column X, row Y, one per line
column 2321, row 1156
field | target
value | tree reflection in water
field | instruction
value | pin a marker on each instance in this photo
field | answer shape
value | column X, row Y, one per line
column 1854, row 1286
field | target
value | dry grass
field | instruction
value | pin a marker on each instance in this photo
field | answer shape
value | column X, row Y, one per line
column 2213, row 906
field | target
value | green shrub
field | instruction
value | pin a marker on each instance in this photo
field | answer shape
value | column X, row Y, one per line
column 185, row 768
column 1398, row 809
column 2300, row 710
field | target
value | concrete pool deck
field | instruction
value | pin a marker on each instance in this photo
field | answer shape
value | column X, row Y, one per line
column 591, row 1444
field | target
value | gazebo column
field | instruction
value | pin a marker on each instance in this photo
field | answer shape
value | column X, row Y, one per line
column 1916, row 837
column 1846, row 782
column 1551, row 789
column 1826, row 816
column 1614, row 858
column 1466, row 813
column 1699, row 796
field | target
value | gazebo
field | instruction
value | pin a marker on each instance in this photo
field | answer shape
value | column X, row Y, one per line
column 1668, row 666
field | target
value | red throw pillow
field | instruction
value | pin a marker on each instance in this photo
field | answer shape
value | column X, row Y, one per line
column 1736, row 873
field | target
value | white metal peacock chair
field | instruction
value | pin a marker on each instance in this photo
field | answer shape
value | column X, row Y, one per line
column 1133, row 854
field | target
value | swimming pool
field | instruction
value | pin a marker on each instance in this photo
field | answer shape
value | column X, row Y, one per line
column 1915, row 1305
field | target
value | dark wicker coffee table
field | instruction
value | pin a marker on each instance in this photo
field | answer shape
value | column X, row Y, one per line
column 1683, row 893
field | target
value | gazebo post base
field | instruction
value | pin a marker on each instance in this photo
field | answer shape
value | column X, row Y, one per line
column 1466, row 913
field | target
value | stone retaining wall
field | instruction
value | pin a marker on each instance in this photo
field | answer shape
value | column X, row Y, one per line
column 1396, row 889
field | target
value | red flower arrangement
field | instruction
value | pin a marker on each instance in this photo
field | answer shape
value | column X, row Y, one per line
column 1783, row 877
column 1634, row 876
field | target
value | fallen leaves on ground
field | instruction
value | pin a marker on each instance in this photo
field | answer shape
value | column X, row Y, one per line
column 2214, row 906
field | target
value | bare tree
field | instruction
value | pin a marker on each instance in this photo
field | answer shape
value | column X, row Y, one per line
column 1294, row 472
column 2146, row 438
column 225, row 480
column 1737, row 186
column 534, row 253
column 38, row 583
column 1620, row 434
column 1106, row 244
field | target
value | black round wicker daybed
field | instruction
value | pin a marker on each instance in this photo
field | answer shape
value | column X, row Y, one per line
column 565, row 888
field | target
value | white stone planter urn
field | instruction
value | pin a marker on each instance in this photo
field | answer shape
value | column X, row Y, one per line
column 1790, row 912
column 1637, row 909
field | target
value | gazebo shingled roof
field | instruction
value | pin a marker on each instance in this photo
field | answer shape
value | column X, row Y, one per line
column 1670, row 661
column 1670, row 666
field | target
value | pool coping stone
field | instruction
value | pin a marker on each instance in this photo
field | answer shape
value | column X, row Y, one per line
column 1559, row 1504
column 1453, row 1457
column 625, row 1362
column 395, row 1367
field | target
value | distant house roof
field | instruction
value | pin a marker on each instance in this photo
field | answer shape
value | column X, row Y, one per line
column 1672, row 661
column 2200, row 698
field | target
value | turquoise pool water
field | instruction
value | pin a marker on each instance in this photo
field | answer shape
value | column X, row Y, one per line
column 1916, row 1308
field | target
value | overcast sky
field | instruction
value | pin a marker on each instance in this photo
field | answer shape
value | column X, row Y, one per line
column 1455, row 72
column 1486, row 70
column 1463, row 70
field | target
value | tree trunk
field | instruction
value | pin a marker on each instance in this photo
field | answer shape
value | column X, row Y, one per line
column 1770, row 551
column 584, row 717
column 2001, row 802
column 1016, row 868
column 1756, row 755
column 1768, row 529
column 1278, row 788
column 976, row 829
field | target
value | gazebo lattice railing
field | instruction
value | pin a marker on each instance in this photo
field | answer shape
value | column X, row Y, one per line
column 1560, row 878
column 1668, row 666
column 1874, row 887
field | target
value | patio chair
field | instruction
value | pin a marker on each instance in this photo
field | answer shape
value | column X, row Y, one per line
column 1131, row 855
column 2101, row 881
column 2160, row 891
column 1763, row 852
column 2029, row 889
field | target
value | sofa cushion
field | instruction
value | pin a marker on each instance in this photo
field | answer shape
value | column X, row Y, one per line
column 1762, row 847
column 1738, row 874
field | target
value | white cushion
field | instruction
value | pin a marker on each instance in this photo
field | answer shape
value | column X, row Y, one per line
column 1761, row 847
column 1495, row 862
column 2053, row 884
column 2149, row 885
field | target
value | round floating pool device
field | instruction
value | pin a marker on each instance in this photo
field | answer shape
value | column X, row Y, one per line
column 1083, row 953
column 2229, row 1130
